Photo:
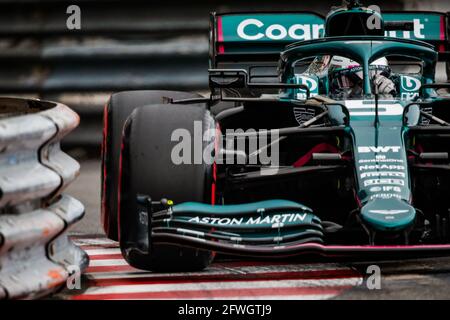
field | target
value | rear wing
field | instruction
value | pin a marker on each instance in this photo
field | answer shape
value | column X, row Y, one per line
column 428, row 26
column 259, row 37
column 238, row 39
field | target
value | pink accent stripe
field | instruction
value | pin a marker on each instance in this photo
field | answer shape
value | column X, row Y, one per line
column 288, row 275
column 251, row 263
column 106, row 256
column 224, row 293
column 125, row 268
column 424, row 246
column 332, row 247
column 220, row 47
column 442, row 29
column 321, row 147
column 368, row 247
column 219, row 29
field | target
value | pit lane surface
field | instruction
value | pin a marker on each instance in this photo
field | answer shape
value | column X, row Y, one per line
column 110, row 277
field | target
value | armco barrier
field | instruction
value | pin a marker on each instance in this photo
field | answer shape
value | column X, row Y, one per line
column 36, row 256
column 121, row 45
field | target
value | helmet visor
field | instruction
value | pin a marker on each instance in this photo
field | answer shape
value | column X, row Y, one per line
column 348, row 77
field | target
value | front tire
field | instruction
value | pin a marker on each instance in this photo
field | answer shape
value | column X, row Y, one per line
column 148, row 168
column 117, row 110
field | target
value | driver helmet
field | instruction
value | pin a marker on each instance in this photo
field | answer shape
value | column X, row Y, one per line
column 346, row 74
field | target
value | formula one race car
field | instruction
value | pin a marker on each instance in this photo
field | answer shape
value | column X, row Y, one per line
column 325, row 137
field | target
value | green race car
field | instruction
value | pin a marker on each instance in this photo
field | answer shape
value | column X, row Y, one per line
column 319, row 136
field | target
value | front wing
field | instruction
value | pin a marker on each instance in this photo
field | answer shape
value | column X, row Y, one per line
column 266, row 229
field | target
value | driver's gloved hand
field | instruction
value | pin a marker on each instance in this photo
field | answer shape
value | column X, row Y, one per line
column 385, row 85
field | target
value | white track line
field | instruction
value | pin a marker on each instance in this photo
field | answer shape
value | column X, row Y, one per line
column 108, row 262
column 215, row 270
column 213, row 286
column 100, row 252
column 119, row 275
column 81, row 242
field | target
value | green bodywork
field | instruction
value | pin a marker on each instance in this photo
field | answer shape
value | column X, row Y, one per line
column 271, row 221
column 375, row 127
column 379, row 146
column 188, row 208
column 383, row 184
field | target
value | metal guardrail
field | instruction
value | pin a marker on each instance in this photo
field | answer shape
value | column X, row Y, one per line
column 122, row 45
column 36, row 256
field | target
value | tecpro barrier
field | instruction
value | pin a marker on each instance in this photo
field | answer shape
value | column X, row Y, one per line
column 36, row 256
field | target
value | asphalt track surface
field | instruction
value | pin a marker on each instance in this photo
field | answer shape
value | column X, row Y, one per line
column 110, row 277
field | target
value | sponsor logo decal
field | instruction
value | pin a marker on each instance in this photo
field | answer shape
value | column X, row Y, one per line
column 277, row 220
column 409, row 87
column 384, row 177
column 383, row 174
column 385, row 189
column 372, row 182
column 304, row 26
column 385, row 196
column 379, row 149
column 380, row 160
column 417, row 32
column 381, row 167
column 310, row 82
column 255, row 29
column 410, row 84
